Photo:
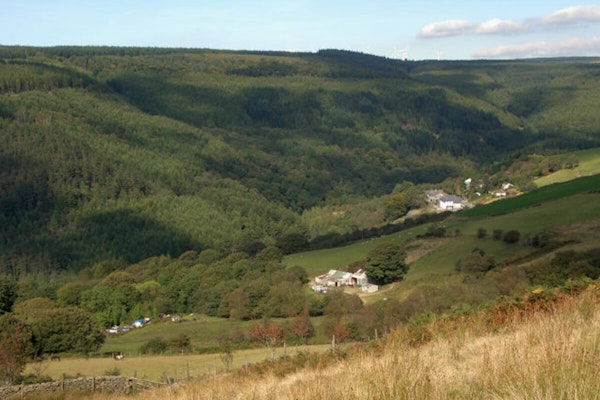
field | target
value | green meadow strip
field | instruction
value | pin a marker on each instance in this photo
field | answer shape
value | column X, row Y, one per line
column 546, row 193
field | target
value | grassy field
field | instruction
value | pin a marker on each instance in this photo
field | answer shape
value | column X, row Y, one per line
column 202, row 330
column 533, row 198
column 589, row 164
column 432, row 263
column 530, row 220
column 153, row 367
column 320, row 261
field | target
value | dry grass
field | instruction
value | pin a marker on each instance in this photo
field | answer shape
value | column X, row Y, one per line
column 153, row 367
column 538, row 352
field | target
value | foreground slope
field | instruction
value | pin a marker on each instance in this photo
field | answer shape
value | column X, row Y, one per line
column 540, row 349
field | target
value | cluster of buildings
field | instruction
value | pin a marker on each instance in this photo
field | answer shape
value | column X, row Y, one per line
column 445, row 202
column 442, row 201
column 335, row 278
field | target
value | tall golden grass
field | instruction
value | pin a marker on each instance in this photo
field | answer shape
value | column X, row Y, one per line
column 543, row 350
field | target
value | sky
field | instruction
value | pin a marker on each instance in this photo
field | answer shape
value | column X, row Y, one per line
column 413, row 29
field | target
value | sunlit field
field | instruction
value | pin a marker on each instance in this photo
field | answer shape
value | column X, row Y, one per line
column 155, row 368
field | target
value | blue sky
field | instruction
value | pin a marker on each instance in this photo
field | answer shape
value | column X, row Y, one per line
column 424, row 29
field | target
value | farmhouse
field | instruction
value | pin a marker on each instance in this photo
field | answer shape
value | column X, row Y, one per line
column 335, row 278
column 443, row 201
column 450, row 203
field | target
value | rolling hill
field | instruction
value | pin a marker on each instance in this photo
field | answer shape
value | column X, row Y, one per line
column 127, row 153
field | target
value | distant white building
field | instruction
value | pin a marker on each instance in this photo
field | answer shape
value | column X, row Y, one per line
column 335, row 278
column 450, row 202
column 443, row 201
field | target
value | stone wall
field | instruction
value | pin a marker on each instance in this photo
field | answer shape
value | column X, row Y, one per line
column 104, row 384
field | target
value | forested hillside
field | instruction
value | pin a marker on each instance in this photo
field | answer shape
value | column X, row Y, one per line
column 128, row 153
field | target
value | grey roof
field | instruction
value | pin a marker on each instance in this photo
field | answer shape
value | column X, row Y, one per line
column 452, row 198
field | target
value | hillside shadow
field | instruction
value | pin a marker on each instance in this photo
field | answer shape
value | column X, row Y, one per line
column 200, row 106
column 119, row 234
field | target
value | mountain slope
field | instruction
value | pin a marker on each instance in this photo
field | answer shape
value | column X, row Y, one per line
column 128, row 152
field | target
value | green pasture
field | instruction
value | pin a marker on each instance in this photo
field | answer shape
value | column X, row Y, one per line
column 529, row 221
column 318, row 262
column 589, row 164
column 437, row 266
column 536, row 197
column 202, row 330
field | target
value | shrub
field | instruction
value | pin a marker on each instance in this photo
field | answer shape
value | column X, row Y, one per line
column 181, row 343
column 511, row 237
column 476, row 264
column 481, row 233
column 154, row 346
column 112, row 372
column 435, row 230
column 497, row 234
column 34, row 378
column 540, row 240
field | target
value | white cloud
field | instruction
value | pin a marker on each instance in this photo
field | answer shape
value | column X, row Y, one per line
column 499, row 26
column 446, row 28
column 566, row 16
column 463, row 27
column 574, row 46
column 572, row 15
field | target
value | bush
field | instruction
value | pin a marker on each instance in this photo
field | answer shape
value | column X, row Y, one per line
column 497, row 234
column 181, row 343
column 481, row 233
column 476, row 263
column 154, row 346
column 34, row 378
column 112, row 372
column 511, row 237
column 435, row 230
column 540, row 240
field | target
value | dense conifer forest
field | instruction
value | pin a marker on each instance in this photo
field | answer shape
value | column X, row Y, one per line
column 114, row 155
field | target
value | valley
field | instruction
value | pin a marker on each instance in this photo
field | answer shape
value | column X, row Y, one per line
column 203, row 191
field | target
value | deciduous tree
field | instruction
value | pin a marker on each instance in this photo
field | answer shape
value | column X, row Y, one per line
column 15, row 348
column 302, row 327
column 68, row 329
column 396, row 205
column 267, row 334
column 386, row 263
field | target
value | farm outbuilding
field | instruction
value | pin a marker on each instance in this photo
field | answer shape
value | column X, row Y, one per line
column 335, row 278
